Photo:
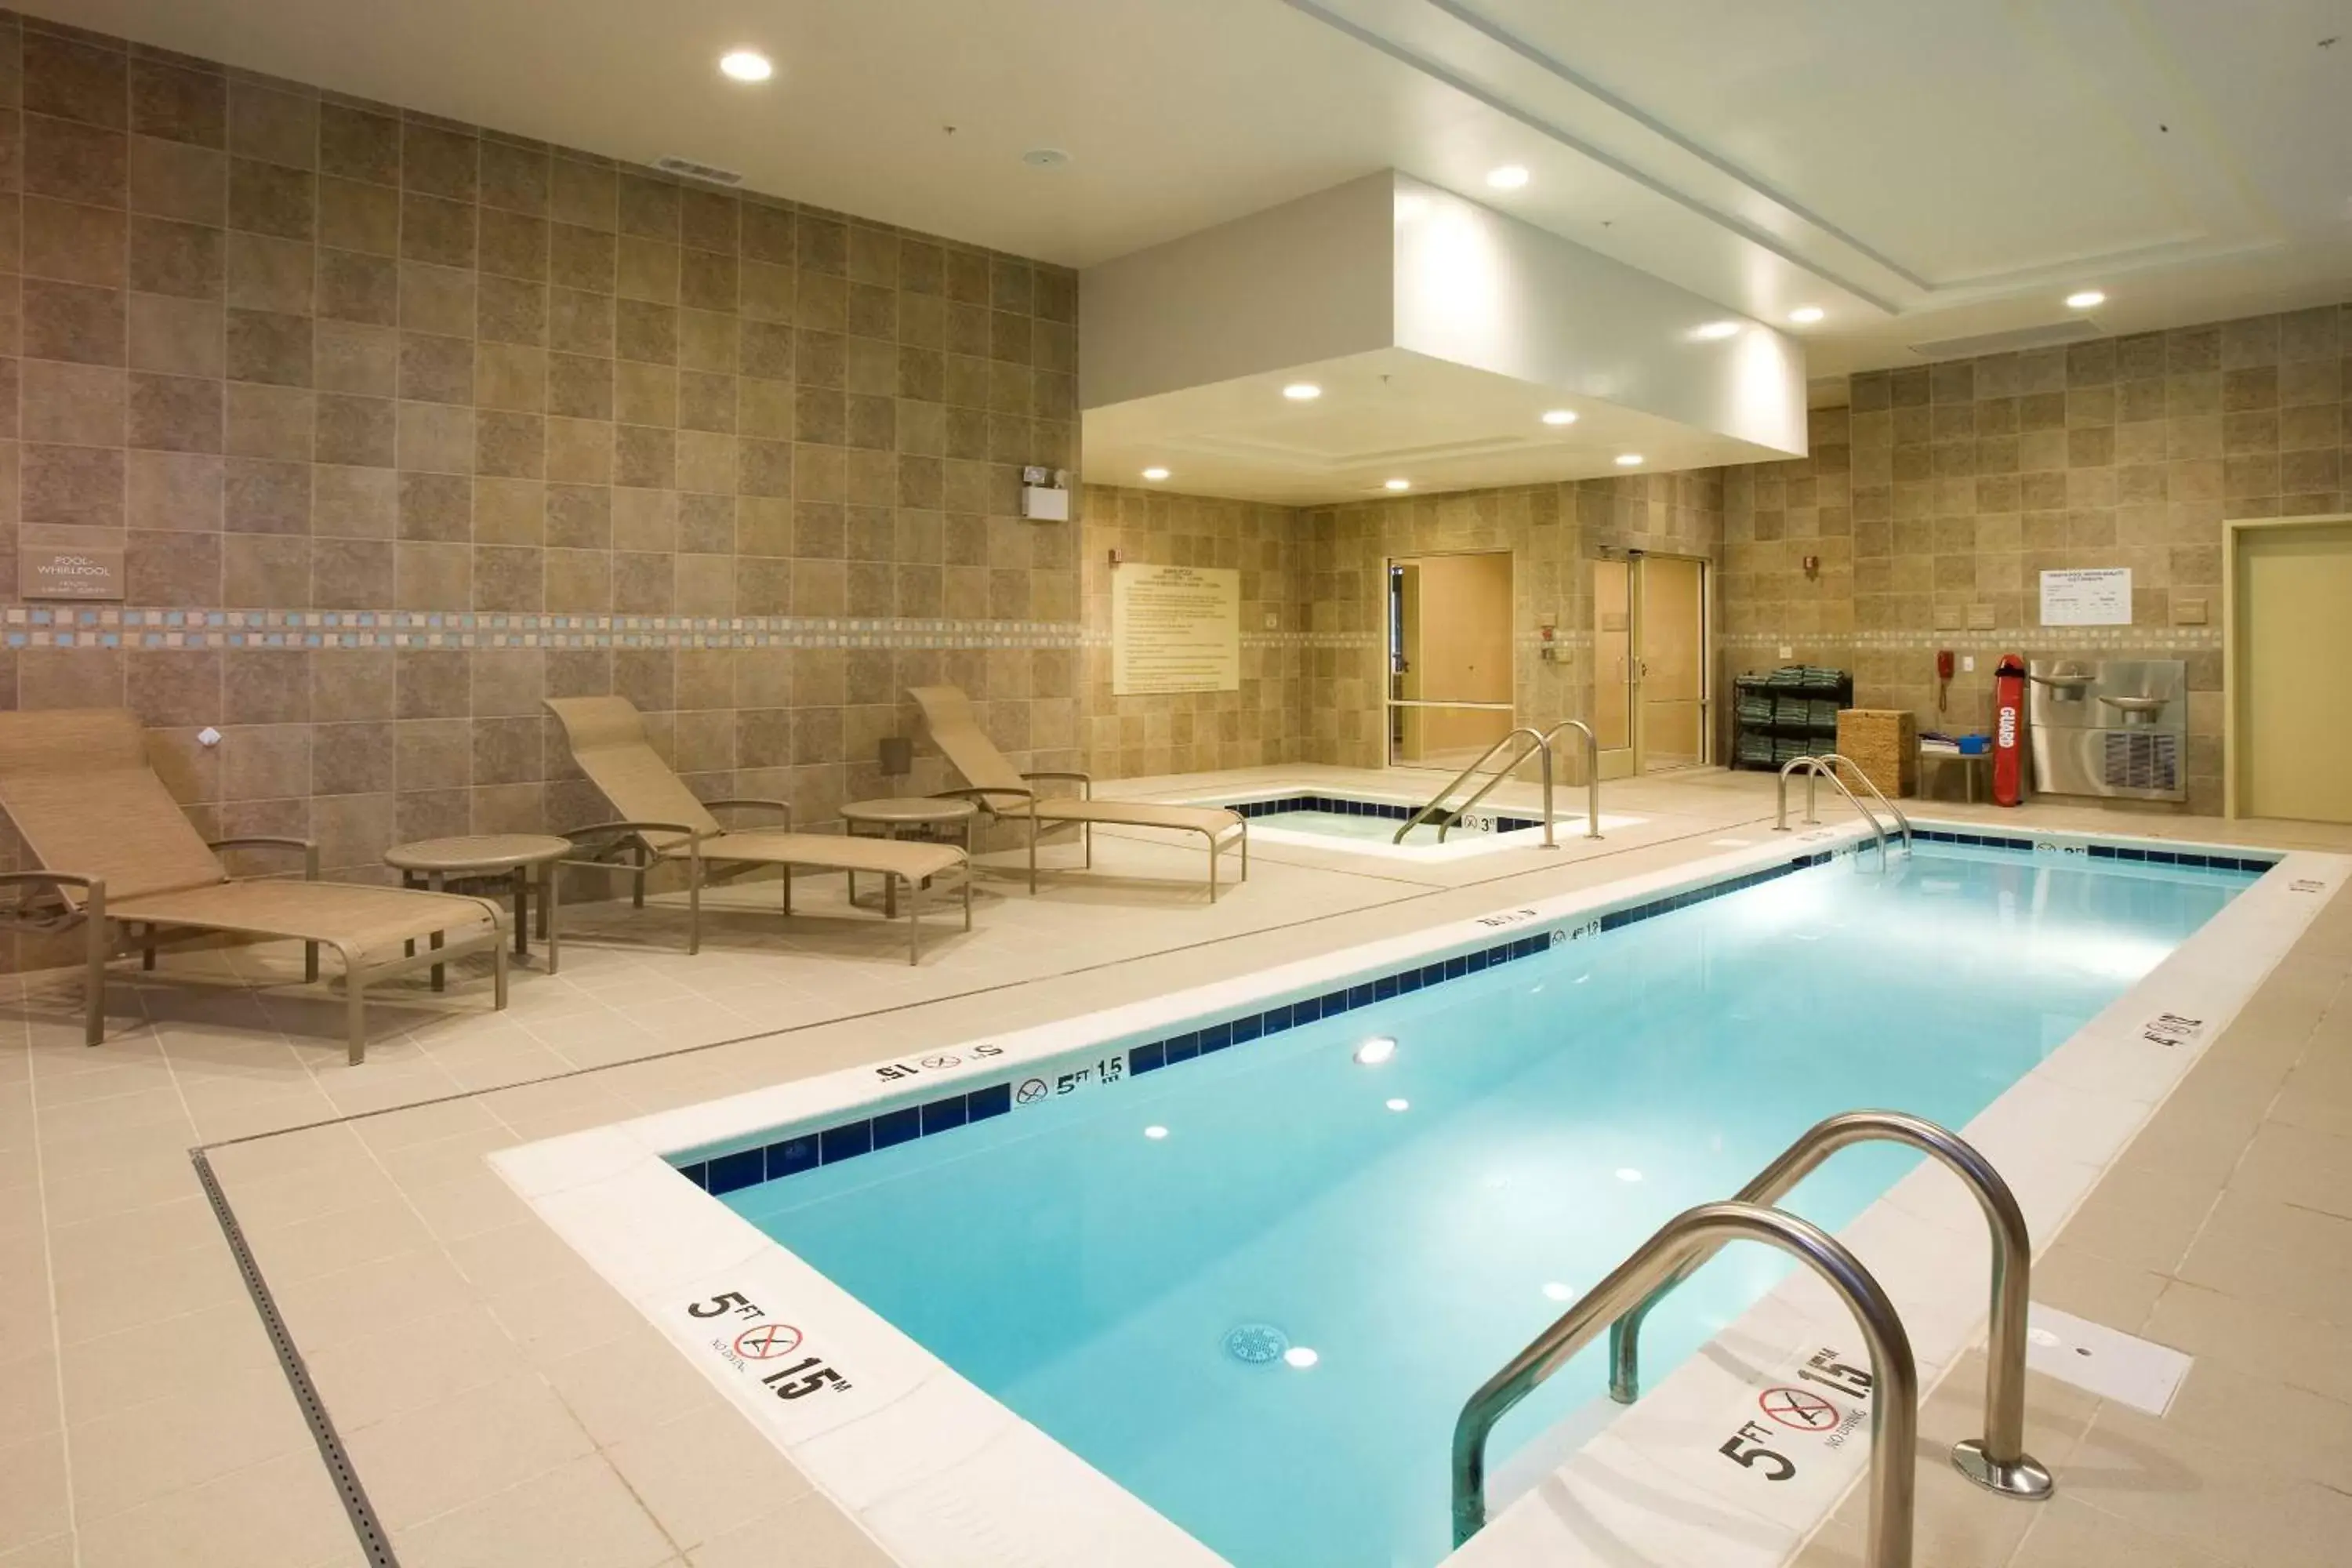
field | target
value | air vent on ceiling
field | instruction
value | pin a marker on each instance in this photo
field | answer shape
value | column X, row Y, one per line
column 694, row 170
column 2068, row 332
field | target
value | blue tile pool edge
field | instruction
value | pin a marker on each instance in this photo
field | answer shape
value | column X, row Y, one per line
column 1349, row 805
column 829, row 1144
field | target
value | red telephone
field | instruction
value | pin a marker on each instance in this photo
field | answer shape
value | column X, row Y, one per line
column 1943, row 677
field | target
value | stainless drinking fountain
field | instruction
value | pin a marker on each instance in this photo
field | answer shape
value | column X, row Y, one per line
column 2112, row 727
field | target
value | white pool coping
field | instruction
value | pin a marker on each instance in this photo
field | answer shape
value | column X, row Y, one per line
column 1568, row 826
column 943, row 1475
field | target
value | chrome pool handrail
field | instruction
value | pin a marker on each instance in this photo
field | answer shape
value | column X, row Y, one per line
column 1815, row 768
column 1437, row 802
column 1539, row 741
column 1876, row 794
column 1997, row 1460
column 1689, row 1237
column 1592, row 772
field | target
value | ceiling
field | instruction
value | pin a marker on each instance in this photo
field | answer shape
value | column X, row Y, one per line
column 1919, row 170
column 1383, row 414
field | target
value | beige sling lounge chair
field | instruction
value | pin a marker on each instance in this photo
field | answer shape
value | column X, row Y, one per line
column 663, row 820
column 1004, row 791
column 116, row 850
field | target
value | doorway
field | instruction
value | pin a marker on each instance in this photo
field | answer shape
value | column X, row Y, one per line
column 1650, row 674
column 1450, row 667
column 2286, row 646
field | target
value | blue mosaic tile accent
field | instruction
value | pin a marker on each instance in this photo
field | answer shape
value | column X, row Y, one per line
column 729, row 1173
column 1342, row 806
column 2255, row 863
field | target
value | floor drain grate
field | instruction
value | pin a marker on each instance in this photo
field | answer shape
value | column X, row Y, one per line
column 1257, row 1343
column 374, row 1544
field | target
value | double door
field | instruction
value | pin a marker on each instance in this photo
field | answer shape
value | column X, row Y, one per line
column 1650, row 703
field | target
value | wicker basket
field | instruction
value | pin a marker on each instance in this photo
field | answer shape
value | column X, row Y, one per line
column 1883, row 743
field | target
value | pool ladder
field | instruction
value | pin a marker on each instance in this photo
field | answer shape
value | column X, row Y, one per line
column 1997, row 1461
column 1815, row 769
column 1532, row 740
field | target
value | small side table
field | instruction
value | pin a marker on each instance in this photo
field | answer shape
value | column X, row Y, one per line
column 434, row 863
column 1973, row 766
column 906, row 811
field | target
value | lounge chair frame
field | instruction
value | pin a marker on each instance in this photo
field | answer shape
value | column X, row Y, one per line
column 635, row 846
column 105, row 935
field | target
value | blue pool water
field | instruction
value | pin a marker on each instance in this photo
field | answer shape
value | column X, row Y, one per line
column 1089, row 1260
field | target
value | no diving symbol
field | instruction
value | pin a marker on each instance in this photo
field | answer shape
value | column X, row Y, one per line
column 1796, row 1408
column 935, row 1063
column 1031, row 1092
column 767, row 1342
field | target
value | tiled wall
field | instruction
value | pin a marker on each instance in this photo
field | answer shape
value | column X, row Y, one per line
column 1949, row 488
column 448, row 421
column 1554, row 532
column 1262, row 723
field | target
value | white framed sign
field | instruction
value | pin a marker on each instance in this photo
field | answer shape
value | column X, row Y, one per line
column 1175, row 628
column 2088, row 597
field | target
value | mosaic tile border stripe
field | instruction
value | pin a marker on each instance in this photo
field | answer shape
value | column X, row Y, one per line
column 2019, row 637
column 41, row 626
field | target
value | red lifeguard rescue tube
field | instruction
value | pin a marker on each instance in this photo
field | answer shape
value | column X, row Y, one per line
column 2009, row 730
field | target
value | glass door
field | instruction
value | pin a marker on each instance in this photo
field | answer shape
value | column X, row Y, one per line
column 1450, row 658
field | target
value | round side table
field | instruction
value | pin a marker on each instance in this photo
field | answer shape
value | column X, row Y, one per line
column 888, row 816
column 434, row 863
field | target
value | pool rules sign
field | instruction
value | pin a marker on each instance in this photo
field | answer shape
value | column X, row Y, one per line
column 1175, row 628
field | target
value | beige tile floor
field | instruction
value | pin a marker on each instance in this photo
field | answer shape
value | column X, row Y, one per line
column 502, row 1407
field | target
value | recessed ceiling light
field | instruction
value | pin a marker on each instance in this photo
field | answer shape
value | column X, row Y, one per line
column 1400, row 1105
column 1155, row 473
column 1628, row 459
column 1396, row 484
column 1559, row 417
column 1376, row 1051
column 1714, row 330
column 1806, row 315
column 1302, row 392
column 2083, row 299
column 746, row 65
column 1510, row 177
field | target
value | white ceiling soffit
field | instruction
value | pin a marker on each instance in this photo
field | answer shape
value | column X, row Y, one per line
column 1386, row 415
column 1916, row 158
column 1431, row 335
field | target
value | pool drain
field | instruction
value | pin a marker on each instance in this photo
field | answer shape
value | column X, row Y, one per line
column 1257, row 1343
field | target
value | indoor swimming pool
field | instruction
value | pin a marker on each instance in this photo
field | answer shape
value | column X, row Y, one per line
column 1249, row 1267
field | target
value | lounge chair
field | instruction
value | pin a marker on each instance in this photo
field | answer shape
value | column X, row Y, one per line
column 662, row 820
column 1004, row 791
column 116, row 850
